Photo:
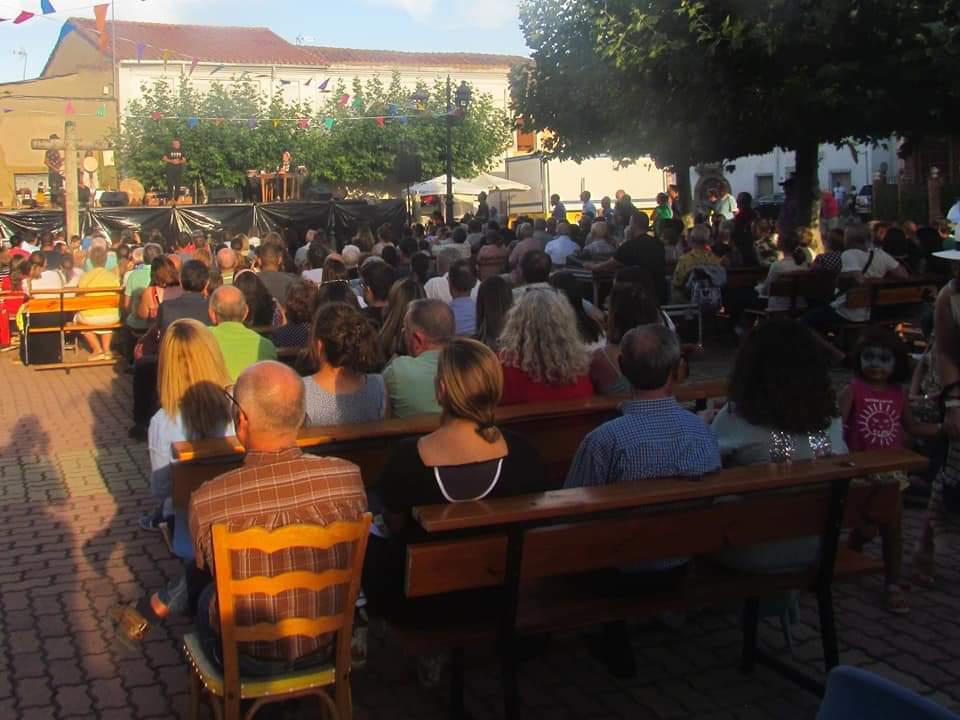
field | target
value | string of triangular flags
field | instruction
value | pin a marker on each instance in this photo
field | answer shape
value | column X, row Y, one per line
column 46, row 8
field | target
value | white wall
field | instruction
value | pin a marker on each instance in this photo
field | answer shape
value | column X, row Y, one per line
column 780, row 164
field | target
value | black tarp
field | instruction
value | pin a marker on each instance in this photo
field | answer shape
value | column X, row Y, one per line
column 293, row 218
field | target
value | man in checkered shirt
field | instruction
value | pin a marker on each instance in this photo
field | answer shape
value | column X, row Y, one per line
column 276, row 486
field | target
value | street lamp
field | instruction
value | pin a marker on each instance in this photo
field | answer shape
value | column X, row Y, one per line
column 463, row 102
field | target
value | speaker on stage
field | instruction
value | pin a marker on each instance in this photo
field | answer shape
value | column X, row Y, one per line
column 407, row 167
column 114, row 198
column 220, row 195
column 318, row 193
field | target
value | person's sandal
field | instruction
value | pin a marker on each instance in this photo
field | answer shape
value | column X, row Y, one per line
column 895, row 601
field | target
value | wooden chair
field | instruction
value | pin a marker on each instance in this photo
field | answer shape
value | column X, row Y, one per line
column 228, row 686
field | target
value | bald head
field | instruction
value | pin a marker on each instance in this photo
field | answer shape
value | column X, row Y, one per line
column 226, row 259
column 227, row 304
column 272, row 398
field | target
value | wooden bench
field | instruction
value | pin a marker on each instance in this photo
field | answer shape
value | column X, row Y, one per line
column 816, row 287
column 555, row 429
column 887, row 293
column 64, row 303
column 554, row 555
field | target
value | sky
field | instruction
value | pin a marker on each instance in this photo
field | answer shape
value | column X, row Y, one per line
column 420, row 25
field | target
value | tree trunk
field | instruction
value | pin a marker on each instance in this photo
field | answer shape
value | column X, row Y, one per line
column 682, row 171
column 807, row 188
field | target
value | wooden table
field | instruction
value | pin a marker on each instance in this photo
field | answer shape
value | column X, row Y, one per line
column 289, row 186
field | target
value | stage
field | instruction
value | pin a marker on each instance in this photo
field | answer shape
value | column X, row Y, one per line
column 340, row 219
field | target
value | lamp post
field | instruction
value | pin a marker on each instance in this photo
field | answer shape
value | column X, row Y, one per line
column 462, row 100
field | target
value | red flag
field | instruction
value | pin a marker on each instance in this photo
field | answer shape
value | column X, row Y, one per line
column 69, row 110
column 381, row 121
column 156, row 115
column 344, row 99
column 100, row 11
column 22, row 17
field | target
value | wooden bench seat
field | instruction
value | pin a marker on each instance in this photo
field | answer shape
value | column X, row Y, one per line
column 555, row 429
column 65, row 304
column 816, row 287
column 553, row 555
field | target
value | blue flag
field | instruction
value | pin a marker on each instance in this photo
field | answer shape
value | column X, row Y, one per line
column 46, row 7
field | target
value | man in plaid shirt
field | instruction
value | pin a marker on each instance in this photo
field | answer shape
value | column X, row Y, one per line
column 276, row 486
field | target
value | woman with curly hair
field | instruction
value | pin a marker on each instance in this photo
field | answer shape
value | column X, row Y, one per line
column 781, row 408
column 345, row 353
column 541, row 351
column 402, row 293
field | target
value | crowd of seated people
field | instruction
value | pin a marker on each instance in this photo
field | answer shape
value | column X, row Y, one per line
column 401, row 328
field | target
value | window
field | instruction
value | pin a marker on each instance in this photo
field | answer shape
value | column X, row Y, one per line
column 840, row 177
column 526, row 141
column 764, row 185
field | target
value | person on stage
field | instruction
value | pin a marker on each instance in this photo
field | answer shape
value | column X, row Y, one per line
column 54, row 162
column 175, row 160
column 286, row 160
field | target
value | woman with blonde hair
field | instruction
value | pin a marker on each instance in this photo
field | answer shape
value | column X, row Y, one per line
column 541, row 351
column 467, row 458
column 191, row 378
column 402, row 293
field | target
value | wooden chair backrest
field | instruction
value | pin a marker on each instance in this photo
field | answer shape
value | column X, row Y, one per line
column 555, row 429
column 567, row 536
column 230, row 588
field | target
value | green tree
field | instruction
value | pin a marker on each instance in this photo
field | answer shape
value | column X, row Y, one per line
column 691, row 81
column 343, row 145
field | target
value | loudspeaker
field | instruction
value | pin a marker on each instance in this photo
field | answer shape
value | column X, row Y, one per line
column 318, row 193
column 407, row 167
column 221, row 195
column 114, row 198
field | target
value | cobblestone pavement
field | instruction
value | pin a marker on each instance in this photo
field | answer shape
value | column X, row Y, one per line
column 72, row 487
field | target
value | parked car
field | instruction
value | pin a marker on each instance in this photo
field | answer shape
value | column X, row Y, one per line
column 864, row 202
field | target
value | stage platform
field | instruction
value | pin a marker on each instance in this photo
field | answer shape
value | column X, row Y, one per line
column 296, row 217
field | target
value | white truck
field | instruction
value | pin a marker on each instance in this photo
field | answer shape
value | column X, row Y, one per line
column 641, row 180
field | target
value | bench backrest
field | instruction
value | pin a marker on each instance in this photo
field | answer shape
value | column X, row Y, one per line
column 74, row 300
column 881, row 293
column 745, row 277
column 818, row 285
column 584, row 529
column 555, row 429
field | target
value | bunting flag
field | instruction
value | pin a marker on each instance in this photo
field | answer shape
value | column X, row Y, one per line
column 329, row 123
column 252, row 123
column 323, row 85
column 22, row 17
column 381, row 121
column 6, row 110
column 193, row 65
column 392, row 109
column 166, row 56
column 286, row 82
column 303, row 123
column 344, row 99
column 102, row 110
column 404, row 119
column 276, row 122
column 217, row 69
column 193, row 122
column 156, row 116
column 46, row 7
column 140, row 48
column 307, row 83
column 357, row 103
column 69, row 109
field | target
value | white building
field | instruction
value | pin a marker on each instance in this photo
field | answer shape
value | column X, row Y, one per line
column 761, row 175
column 207, row 54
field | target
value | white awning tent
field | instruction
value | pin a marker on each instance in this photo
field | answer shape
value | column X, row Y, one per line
column 438, row 186
column 492, row 183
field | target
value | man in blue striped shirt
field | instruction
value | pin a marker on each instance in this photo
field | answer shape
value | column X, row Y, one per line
column 654, row 437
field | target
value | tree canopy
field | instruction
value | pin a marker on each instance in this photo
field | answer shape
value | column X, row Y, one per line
column 704, row 81
column 233, row 128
